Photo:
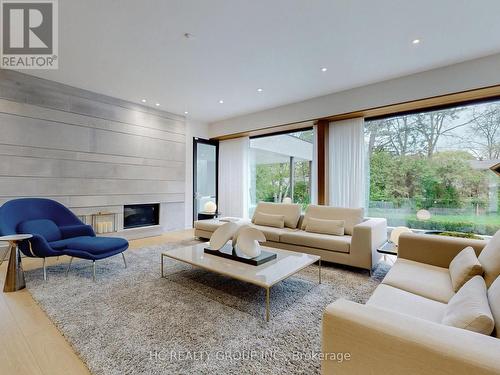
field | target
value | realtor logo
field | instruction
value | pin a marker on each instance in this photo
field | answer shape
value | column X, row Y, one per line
column 29, row 34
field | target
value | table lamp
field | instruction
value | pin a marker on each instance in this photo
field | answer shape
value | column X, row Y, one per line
column 210, row 207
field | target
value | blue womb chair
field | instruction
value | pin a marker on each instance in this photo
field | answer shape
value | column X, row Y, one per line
column 56, row 231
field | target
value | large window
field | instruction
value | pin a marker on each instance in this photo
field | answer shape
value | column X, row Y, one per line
column 430, row 170
column 280, row 167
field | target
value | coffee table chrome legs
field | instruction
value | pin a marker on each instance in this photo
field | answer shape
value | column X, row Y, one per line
column 162, row 265
column 15, row 276
column 267, row 303
column 192, row 261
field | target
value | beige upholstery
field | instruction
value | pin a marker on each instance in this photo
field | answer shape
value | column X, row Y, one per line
column 469, row 308
column 422, row 279
column 208, row 225
column 271, row 234
column 351, row 216
column 436, row 250
column 490, row 259
column 388, row 297
column 333, row 227
column 400, row 330
column 494, row 300
column 464, row 267
column 381, row 341
column 321, row 241
column 277, row 221
column 358, row 250
column 291, row 212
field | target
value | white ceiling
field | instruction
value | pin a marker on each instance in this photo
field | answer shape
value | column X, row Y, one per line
column 136, row 49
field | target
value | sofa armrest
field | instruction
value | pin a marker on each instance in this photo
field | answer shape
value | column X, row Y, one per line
column 379, row 341
column 435, row 250
column 70, row 231
column 366, row 237
column 36, row 246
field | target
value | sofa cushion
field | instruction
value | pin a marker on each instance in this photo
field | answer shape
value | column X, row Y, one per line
column 494, row 301
column 490, row 259
column 61, row 244
column 43, row 227
column 209, row 225
column 388, row 297
column 277, row 221
column 291, row 212
column 351, row 216
column 419, row 278
column 333, row 227
column 320, row 241
column 96, row 245
column 271, row 234
column 464, row 267
column 469, row 308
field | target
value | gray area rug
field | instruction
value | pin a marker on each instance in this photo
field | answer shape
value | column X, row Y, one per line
column 132, row 321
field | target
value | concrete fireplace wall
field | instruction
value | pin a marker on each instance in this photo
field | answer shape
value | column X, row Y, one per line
column 88, row 151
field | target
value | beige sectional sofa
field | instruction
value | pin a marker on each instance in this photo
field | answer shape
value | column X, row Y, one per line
column 401, row 329
column 356, row 247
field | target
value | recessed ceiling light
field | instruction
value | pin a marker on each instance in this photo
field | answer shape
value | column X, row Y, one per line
column 221, row 101
column 157, row 104
column 415, row 41
column 143, row 100
column 324, row 69
column 260, row 90
column 186, row 112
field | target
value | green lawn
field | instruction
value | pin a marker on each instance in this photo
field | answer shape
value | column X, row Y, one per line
column 482, row 224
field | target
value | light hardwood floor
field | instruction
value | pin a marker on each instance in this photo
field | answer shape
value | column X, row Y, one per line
column 29, row 343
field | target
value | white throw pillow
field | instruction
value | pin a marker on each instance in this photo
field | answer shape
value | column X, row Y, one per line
column 464, row 267
column 494, row 300
column 291, row 212
column 469, row 308
column 490, row 259
column 277, row 221
column 324, row 226
column 351, row 216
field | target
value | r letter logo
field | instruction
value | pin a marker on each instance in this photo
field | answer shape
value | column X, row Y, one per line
column 29, row 34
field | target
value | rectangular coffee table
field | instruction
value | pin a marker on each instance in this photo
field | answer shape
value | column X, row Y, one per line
column 266, row 275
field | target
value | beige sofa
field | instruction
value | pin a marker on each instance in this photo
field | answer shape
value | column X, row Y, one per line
column 358, row 247
column 400, row 329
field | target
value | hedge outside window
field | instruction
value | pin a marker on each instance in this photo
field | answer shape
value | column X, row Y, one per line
column 438, row 161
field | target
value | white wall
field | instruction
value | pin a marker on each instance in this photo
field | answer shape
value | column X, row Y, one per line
column 193, row 129
column 454, row 78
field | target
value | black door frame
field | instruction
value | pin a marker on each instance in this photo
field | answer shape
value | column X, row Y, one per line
column 215, row 143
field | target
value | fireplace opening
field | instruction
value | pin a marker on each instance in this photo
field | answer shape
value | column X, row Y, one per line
column 141, row 215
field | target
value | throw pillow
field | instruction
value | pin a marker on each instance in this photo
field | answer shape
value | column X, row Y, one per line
column 490, row 259
column 277, row 221
column 494, row 300
column 464, row 267
column 469, row 308
column 324, row 226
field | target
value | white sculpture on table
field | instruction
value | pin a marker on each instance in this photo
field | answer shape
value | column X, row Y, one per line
column 223, row 234
column 247, row 241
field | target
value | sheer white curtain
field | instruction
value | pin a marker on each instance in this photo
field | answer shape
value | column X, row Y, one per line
column 347, row 163
column 233, row 177
column 314, row 168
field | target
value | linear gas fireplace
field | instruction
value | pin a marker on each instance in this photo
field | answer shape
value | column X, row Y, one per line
column 141, row 215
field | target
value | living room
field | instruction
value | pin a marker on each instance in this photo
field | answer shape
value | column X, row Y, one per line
column 233, row 187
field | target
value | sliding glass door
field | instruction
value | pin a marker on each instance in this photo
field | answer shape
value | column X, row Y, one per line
column 205, row 176
column 281, row 168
